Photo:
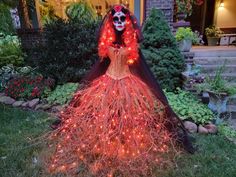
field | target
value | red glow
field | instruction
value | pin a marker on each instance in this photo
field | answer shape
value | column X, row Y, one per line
column 114, row 129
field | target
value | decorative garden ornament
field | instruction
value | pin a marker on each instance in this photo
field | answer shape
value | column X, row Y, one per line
column 120, row 122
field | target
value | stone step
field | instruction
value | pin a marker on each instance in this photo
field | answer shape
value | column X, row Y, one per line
column 213, row 68
column 215, row 52
column 231, row 77
column 232, row 110
column 214, row 60
column 232, row 100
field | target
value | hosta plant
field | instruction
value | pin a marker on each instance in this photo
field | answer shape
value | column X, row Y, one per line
column 62, row 94
column 188, row 107
column 10, row 50
column 10, row 71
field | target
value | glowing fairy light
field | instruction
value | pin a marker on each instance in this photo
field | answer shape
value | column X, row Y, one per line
column 112, row 119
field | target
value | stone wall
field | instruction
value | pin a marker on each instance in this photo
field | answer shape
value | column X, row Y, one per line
column 167, row 6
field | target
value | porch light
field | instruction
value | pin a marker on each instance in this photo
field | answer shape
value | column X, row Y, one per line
column 222, row 4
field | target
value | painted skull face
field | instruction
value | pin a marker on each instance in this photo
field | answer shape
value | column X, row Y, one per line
column 119, row 21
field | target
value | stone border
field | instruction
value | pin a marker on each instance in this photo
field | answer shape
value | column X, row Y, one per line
column 34, row 104
column 201, row 129
column 37, row 104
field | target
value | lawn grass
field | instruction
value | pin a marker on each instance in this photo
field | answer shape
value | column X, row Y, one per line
column 18, row 155
column 216, row 156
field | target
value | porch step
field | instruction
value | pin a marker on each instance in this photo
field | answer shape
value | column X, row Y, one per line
column 213, row 60
column 213, row 68
column 232, row 100
column 232, row 110
column 230, row 77
column 214, row 51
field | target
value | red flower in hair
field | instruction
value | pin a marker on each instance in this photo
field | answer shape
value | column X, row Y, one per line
column 117, row 8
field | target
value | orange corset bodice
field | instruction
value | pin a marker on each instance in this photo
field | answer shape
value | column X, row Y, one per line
column 118, row 67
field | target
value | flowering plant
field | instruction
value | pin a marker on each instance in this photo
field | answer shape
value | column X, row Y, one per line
column 213, row 31
column 27, row 87
column 186, row 6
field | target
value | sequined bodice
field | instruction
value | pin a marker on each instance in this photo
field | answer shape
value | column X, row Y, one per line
column 118, row 67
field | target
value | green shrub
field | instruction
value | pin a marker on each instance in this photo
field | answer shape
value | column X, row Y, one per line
column 187, row 106
column 70, row 46
column 10, row 50
column 62, row 94
column 81, row 10
column 6, row 25
column 161, row 51
column 70, row 50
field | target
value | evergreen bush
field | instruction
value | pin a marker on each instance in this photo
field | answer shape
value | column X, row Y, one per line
column 161, row 51
column 70, row 46
column 69, row 51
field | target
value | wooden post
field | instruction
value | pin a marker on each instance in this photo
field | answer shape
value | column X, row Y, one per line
column 38, row 14
column 24, row 15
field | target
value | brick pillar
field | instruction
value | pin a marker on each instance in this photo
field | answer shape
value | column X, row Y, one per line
column 167, row 6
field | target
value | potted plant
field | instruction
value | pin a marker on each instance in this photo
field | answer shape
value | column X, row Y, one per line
column 213, row 35
column 184, row 8
column 218, row 89
column 184, row 37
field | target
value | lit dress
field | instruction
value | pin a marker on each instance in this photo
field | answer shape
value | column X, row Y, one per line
column 113, row 125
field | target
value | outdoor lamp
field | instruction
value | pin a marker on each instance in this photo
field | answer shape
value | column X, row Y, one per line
column 222, row 4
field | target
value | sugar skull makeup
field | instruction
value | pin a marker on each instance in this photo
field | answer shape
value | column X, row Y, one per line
column 119, row 21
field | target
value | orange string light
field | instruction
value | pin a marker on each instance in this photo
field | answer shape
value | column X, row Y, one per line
column 115, row 123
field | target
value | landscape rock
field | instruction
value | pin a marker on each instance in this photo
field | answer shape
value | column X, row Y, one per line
column 33, row 103
column 190, row 126
column 2, row 94
column 202, row 130
column 211, row 128
column 7, row 100
column 25, row 104
column 56, row 109
column 38, row 107
column 46, row 106
column 43, row 107
column 17, row 103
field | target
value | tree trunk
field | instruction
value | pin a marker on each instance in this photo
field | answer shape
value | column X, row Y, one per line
column 24, row 15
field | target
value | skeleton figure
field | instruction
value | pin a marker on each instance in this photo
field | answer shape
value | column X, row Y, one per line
column 119, row 18
column 120, row 122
